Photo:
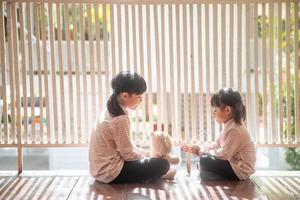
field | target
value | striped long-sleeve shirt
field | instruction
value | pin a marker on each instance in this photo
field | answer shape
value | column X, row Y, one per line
column 110, row 146
column 235, row 145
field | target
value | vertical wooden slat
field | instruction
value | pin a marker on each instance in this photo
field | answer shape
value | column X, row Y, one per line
column 280, row 98
column 179, row 106
column 84, row 73
column 92, row 65
column 223, row 27
column 70, row 72
column 185, row 74
column 158, row 75
column 24, row 72
column 53, row 69
column 105, row 41
column 239, row 48
column 113, row 47
column 207, row 49
column 231, row 45
column 288, row 75
column 296, row 95
column 128, row 67
column 248, row 83
column 149, row 67
column 17, row 79
column 141, row 49
column 38, row 59
column 61, row 74
column 200, row 73
column 264, row 74
column 98, row 56
column 119, row 13
column 172, row 70
column 135, row 67
column 11, row 72
column 271, row 74
column 164, row 77
column 255, row 56
column 31, row 76
column 77, row 71
column 216, row 56
column 192, row 73
column 43, row 24
column 3, row 76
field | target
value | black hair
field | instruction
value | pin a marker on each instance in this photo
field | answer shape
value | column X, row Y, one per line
column 228, row 97
column 125, row 81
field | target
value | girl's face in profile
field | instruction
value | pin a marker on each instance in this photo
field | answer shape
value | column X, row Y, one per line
column 222, row 115
column 131, row 100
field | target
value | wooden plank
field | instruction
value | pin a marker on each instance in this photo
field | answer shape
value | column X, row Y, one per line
column 11, row 73
column 105, row 41
column 172, row 71
column 128, row 52
column 17, row 82
column 163, row 67
column 271, row 73
column 215, row 60
column 248, row 72
column 113, row 47
column 239, row 46
column 92, row 62
column 39, row 67
column 280, row 97
column 120, row 67
column 24, row 74
column 98, row 57
column 45, row 67
column 70, row 71
column 223, row 38
column 149, row 71
column 192, row 75
column 200, row 74
column 3, row 78
column 256, row 83
column 61, row 74
column 31, row 75
column 142, row 63
column 158, row 69
column 296, row 72
column 178, row 51
column 77, row 71
column 272, row 188
column 231, row 45
column 288, row 73
column 208, row 94
column 84, row 73
column 53, row 72
column 264, row 75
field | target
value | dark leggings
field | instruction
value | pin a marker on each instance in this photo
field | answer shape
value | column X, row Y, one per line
column 212, row 167
column 142, row 170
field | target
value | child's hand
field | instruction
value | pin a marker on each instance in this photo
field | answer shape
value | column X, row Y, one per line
column 185, row 148
column 191, row 149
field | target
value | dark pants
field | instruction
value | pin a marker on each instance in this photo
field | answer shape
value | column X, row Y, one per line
column 142, row 170
column 212, row 168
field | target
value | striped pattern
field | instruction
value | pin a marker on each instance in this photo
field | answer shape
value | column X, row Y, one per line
column 234, row 144
column 110, row 146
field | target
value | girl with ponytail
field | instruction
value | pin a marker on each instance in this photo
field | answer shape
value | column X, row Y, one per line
column 113, row 157
column 232, row 156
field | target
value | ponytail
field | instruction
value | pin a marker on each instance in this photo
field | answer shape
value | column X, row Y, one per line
column 113, row 106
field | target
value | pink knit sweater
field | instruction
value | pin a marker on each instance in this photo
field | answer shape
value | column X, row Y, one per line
column 110, row 146
column 234, row 144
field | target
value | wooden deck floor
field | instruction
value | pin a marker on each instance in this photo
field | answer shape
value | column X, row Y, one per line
column 79, row 185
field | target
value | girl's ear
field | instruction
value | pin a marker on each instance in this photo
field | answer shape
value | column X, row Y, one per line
column 124, row 95
column 228, row 109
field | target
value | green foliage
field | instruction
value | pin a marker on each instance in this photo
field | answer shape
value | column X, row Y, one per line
column 292, row 157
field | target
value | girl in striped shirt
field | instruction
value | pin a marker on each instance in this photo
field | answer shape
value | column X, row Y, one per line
column 113, row 157
column 232, row 156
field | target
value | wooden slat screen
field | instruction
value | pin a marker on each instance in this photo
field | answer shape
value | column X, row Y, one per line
column 57, row 60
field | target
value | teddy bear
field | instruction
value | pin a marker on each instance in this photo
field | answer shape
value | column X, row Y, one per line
column 161, row 146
